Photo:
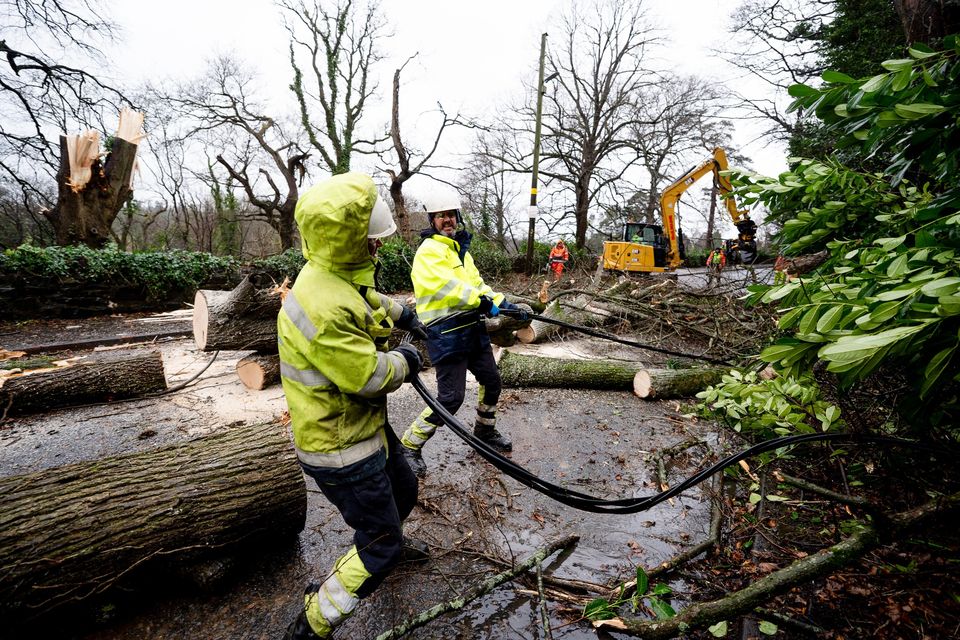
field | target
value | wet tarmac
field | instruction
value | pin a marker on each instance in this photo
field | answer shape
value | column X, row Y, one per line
column 473, row 517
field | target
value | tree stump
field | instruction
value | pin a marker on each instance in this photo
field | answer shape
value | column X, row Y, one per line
column 534, row 371
column 100, row 378
column 658, row 384
column 259, row 370
column 70, row 532
column 244, row 319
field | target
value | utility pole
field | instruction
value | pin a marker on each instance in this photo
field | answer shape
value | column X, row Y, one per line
column 532, row 210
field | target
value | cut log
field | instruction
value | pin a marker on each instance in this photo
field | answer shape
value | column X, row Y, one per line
column 518, row 370
column 577, row 311
column 74, row 531
column 98, row 378
column 658, row 384
column 244, row 319
column 259, row 371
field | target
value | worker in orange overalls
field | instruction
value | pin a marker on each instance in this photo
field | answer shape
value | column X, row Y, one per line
column 558, row 257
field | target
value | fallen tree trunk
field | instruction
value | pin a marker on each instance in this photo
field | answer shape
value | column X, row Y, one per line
column 239, row 320
column 100, row 378
column 535, row 371
column 657, row 384
column 259, row 370
column 578, row 311
column 71, row 532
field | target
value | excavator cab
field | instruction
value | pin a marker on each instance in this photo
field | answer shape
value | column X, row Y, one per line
column 643, row 247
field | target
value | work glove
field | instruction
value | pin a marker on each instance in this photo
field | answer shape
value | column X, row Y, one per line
column 410, row 323
column 412, row 356
column 522, row 312
column 488, row 307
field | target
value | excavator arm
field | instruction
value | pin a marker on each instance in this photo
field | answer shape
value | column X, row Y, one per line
column 671, row 195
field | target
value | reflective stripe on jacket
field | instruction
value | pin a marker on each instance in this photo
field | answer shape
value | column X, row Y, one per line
column 442, row 283
column 332, row 331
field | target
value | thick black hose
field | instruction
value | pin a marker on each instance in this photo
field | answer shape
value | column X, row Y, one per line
column 613, row 338
column 586, row 502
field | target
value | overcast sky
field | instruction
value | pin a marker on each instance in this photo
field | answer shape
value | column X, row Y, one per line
column 471, row 56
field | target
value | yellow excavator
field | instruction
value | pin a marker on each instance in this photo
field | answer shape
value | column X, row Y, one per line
column 647, row 248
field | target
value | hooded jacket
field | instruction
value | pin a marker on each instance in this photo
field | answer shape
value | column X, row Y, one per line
column 332, row 332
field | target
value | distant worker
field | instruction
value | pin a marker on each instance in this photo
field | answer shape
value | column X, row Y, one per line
column 451, row 298
column 716, row 261
column 558, row 257
column 336, row 373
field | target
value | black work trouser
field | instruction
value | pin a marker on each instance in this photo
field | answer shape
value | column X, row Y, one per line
column 375, row 508
column 452, row 381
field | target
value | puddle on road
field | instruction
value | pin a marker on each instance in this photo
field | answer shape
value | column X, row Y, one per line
column 594, row 442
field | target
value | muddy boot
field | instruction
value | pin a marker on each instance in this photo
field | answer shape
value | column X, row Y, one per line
column 300, row 629
column 492, row 437
column 414, row 550
column 415, row 460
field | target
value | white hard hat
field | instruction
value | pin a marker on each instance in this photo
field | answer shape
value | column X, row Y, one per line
column 381, row 221
column 438, row 200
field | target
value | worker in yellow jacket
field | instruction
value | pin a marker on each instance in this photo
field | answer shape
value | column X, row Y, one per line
column 451, row 299
column 336, row 373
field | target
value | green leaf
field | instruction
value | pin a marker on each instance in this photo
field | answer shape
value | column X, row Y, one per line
column 801, row 91
column 889, row 244
column 874, row 83
column 837, row 77
column 941, row 287
column 718, row 630
column 897, row 65
column 643, row 581
column 857, row 348
column 662, row 610
column 935, row 368
column 898, row 267
column 772, row 497
column 767, row 628
column 599, row 609
column 917, row 110
column 921, row 51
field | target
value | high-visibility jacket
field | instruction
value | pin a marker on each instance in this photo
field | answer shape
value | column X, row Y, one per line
column 332, row 332
column 559, row 253
column 717, row 259
column 445, row 285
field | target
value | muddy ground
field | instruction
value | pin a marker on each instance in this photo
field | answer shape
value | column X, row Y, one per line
column 473, row 517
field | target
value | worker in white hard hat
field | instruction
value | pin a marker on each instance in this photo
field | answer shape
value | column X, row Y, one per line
column 336, row 372
column 451, row 297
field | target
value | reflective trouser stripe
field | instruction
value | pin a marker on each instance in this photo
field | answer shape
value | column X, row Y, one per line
column 487, row 414
column 344, row 457
column 419, row 432
column 336, row 599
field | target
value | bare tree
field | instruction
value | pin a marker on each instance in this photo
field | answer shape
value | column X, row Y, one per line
column 338, row 48
column 266, row 161
column 597, row 70
column 40, row 95
column 407, row 165
column 928, row 21
column 488, row 189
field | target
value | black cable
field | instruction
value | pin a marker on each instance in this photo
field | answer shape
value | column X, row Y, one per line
column 613, row 338
column 586, row 502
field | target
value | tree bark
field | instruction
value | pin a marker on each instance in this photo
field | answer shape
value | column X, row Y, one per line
column 578, row 311
column 85, row 215
column 104, row 377
column 70, row 532
column 259, row 370
column 239, row 320
column 534, row 371
column 657, row 384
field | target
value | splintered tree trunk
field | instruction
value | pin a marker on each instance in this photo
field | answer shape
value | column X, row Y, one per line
column 240, row 320
column 534, row 371
column 259, row 370
column 657, row 384
column 84, row 214
column 103, row 377
column 578, row 311
column 70, row 532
